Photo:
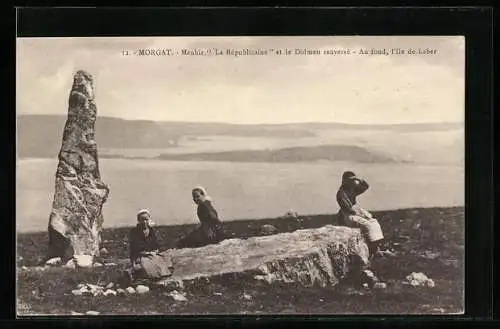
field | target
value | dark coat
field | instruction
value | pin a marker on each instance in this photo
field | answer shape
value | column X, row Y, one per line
column 347, row 193
column 210, row 231
column 208, row 216
column 141, row 243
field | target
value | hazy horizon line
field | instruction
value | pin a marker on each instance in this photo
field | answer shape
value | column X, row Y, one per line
column 261, row 123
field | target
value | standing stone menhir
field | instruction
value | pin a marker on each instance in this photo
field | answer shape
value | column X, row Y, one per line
column 76, row 219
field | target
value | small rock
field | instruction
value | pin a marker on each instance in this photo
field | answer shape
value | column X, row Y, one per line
column 110, row 264
column 130, row 290
column 430, row 283
column 109, row 292
column 24, row 267
column 92, row 313
column 19, row 258
column 98, row 264
column 217, row 294
column 81, row 285
column 77, row 292
column 178, row 296
column 93, row 286
column 83, row 260
column 53, row 261
column 416, row 226
column 120, row 291
column 247, row 296
column 291, row 214
column 76, row 313
column 140, row 289
column 268, row 229
column 365, row 285
column 97, row 293
column 103, row 251
column 109, row 285
column 414, row 283
column 173, row 284
column 380, row 285
column 86, row 292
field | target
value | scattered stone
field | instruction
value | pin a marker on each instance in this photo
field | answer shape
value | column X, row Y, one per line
column 418, row 279
column 365, row 285
column 19, row 258
column 172, row 284
column 268, row 229
column 142, row 289
column 380, row 285
column 120, row 291
column 369, row 277
column 24, row 267
column 76, row 313
column 93, row 286
column 217, row 293
column 81, row 285
column 109, row 285
column 414, row 283
column 77, row 292
column 177, row 296
column 416, row 226
column 247, row 296
column 92, row 313
column 83, row 260
column 110, row 264
column 54, row 261
column 103, row 251
column 75, row 221
column 98, row 264
column 109, row 292
column 291, row 214
column 130, row 290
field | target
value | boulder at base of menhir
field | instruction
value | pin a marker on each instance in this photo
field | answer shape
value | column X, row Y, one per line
column 76, row 219
column 322, row 256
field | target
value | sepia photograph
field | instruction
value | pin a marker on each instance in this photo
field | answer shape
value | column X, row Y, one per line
column 250, row 175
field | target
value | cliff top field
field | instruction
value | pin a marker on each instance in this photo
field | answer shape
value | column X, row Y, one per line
column 428, row 240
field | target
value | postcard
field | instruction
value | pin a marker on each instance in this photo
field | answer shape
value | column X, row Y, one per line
column 240, row 175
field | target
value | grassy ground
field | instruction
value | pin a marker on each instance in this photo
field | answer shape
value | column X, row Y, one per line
column 428, row 240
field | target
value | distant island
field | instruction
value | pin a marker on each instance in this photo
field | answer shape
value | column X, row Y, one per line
column 39, row 136
column 290, row 154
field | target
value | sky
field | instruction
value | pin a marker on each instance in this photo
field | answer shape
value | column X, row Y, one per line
column 362, row 89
